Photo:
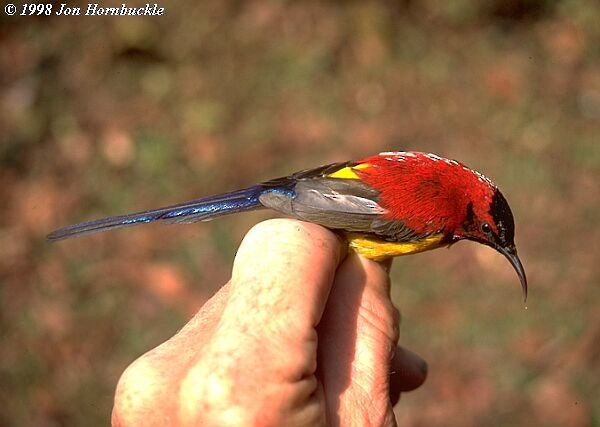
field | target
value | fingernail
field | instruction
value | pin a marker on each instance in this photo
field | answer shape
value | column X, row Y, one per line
column 417, row 361
column 411, row 371
column 422, row 365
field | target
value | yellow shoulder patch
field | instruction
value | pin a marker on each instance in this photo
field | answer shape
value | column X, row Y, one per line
column 348, row 172
column 378, row 250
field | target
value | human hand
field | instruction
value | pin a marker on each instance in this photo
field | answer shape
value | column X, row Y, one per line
column 302, row 335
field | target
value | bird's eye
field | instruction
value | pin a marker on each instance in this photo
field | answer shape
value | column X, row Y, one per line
column 485, row 227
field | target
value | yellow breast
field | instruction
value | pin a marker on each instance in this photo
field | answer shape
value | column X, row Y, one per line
column 378, row 250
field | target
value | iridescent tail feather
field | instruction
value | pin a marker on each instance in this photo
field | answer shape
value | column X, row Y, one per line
column 195, row 210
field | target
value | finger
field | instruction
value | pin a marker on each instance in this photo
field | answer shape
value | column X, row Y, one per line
column 386, row 264
column 408, row 372
column 357, row 337
column 149, row 386
column 265, row 343
column 281, row 278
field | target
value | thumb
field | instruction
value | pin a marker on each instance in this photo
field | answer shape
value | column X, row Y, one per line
column 357, row 339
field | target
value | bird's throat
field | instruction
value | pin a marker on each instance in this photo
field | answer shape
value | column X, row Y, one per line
column 376, row 249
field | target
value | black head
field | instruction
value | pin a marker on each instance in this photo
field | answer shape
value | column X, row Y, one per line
column 495, row 227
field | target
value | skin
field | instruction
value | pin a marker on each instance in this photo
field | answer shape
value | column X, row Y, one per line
column 304, row 334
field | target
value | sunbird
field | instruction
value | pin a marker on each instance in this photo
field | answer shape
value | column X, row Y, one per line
column 390, row 204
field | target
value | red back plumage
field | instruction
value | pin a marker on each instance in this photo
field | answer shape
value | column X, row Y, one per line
column 429, row 193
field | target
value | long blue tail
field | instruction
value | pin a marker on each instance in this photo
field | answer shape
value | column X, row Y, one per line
column 192, row 211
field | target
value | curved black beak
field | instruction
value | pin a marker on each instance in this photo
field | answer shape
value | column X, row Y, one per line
column 511, row 254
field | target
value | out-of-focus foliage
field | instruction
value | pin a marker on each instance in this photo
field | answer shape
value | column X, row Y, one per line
column 104, row 115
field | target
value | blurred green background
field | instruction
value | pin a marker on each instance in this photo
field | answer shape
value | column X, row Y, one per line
column 106, row 115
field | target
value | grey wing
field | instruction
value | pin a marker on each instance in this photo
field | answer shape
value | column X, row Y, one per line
column 345, row 204
column 332, row 202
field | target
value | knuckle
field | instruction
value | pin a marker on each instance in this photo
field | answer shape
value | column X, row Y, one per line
column 135, row 393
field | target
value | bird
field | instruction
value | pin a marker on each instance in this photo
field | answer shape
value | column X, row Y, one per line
column 390, row 204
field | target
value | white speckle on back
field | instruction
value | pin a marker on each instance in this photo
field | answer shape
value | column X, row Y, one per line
column 394, row 156
column 400, row 156
column 433, row 157
column 482, row 178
